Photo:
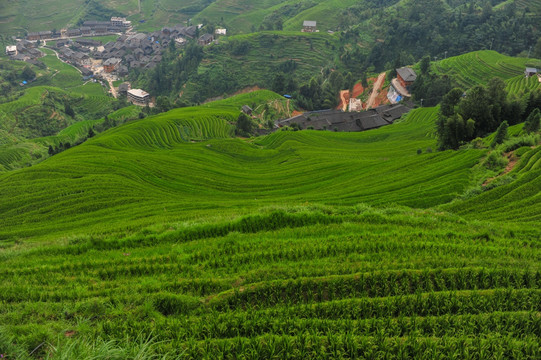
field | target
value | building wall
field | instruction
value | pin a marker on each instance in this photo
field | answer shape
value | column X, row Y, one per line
column 109, row 68
column 138, row 100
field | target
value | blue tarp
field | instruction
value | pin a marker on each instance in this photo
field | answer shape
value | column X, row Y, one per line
column 398, row 98
column 288, row 96
column 25, row 82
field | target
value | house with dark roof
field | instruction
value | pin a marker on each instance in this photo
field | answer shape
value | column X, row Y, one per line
column 190, row 31
column 347, row 121
column 33, row 36
column 205, row 39
column 73, row 32
column 45, row 34
column 406, row 76
column 111, row 64
column 62, row 43
column 88, row 42
column 309, row 26
column 87, row 73
column 247, row 110
column 400, row 86
column 123, row 88
column 530, row 71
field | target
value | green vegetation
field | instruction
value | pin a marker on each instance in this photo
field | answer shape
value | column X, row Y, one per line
column 167, row 237
column 479, row 67
column 178, row 240
column 239, row 62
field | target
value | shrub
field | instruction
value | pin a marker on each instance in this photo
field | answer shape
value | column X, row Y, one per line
column 517, row 142
column 172, row 304
column 495, row 161
column 419, row 151
column 501, row 134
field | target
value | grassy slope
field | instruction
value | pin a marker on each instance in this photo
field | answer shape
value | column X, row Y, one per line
column 519, row 199
column 141, row 236
column 267, row 51
column 238, row 15
column 153, row 163
column 16, row 148
column 287, row 281
column 480, row 66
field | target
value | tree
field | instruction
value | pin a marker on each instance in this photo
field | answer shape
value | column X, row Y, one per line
column 364, row 80
column 470, row 129
column 449, row 101
column 279, row 83
column 245, row 125
column 501, row 134
column 90, row 133
column 537, row 49
column 497, row 95
column 28, row 74
column 163, row 104
column 533, row 121
column 69, row 110
column 336, row 80
column 477, row 105
column 51, row 150
column 425, row 64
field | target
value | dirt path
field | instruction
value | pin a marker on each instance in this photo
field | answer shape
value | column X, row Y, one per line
column 510, row 166
column 343, row 101
column 345, row 95
column 375, row 91
column 113, row 89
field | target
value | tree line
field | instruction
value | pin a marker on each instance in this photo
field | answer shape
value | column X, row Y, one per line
column 482, row 110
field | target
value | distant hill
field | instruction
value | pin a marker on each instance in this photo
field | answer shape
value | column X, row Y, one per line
column 480, row 66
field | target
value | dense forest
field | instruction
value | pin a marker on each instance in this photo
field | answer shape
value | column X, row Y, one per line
column 425, row 27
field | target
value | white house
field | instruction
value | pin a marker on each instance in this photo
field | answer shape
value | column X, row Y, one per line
column 138, row 96
column 11, row 50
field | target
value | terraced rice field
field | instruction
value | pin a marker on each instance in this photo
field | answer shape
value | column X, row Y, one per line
column 287, row 283
column 480, row 66
column 167, row 238
column 186, row 161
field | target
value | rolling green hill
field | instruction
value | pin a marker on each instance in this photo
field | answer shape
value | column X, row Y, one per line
column 169, row 238
column 166, row 236
column 479, row 67
column 158, row 159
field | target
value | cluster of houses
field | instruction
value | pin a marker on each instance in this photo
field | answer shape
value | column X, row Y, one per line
column 139, row 50
column 337, row 120
column 89, row 28
column 24, row 51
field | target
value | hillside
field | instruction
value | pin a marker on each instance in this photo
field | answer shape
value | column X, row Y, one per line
column 246, row 60
column 166, row 236
column 142, row 233
column 479, row 67
column 157, row 157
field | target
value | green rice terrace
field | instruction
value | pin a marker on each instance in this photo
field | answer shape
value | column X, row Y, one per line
column 169, row 238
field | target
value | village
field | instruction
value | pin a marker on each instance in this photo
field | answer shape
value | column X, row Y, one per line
column 111, row 61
